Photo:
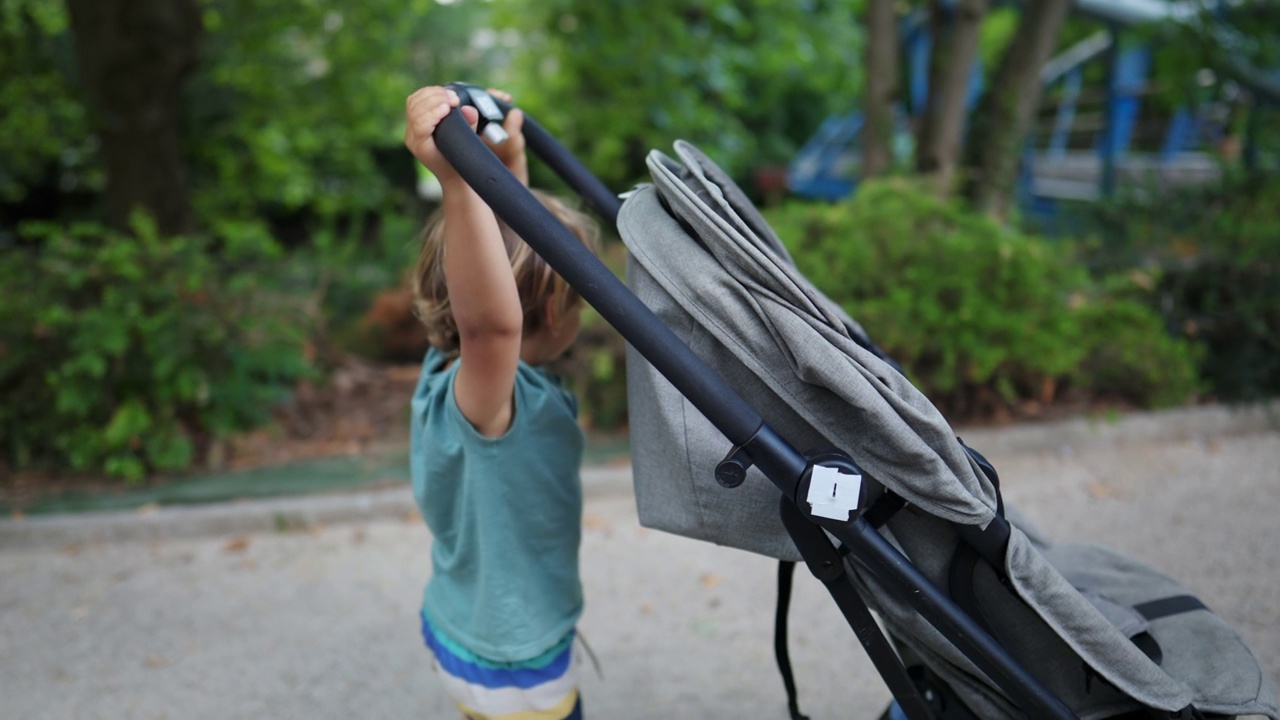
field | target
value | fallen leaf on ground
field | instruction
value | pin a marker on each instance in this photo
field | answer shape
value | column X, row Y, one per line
column 237, row 544
column 709, row 581
column 1103, row 491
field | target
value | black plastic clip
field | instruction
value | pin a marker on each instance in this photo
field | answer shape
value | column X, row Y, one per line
column 491, row 115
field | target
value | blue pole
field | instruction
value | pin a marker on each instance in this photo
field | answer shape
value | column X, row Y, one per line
column 1066, row 114
column 1106, row 144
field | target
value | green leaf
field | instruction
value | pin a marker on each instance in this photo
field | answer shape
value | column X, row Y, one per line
column 129, row 421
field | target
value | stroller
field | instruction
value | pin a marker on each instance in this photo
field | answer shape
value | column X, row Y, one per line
column 985, row 618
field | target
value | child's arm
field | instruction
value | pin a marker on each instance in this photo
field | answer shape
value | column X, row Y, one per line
column 482, row 289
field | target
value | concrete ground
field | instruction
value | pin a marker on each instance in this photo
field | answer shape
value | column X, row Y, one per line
column 307, row 607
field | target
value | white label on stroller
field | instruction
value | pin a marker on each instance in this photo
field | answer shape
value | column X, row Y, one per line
column 833, row 494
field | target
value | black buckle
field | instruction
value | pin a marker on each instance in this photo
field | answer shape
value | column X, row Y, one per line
column 491, row 114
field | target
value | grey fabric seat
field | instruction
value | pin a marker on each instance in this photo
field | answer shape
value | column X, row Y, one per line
column 708, row 265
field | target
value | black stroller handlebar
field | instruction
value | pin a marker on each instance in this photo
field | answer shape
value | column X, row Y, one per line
column 513, row 202
column 601, row 199
column 780, row 462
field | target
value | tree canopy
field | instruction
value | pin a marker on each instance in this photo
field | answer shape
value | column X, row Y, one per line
column 291, row 100
column 749, row 81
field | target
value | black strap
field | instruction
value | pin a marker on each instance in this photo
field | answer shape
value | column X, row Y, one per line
column 989, row 544
column 883, row 509
column 989, row 470
column 1146, row 642
column 1164, row 607
column 786, row 570
column 964, row 562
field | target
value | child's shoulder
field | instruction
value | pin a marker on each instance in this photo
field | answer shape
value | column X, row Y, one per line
column 536, row 381
column 434, row 376
column 435, row 361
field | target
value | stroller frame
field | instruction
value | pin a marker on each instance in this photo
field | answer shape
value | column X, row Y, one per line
column 754, row 441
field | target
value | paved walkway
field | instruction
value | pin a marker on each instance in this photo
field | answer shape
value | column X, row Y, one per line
column 306, row 607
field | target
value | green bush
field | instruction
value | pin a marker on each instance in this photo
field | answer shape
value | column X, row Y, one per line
column 126, row 353
column 347, row 269
column 1132, row 355
column 1217, row 249
column 979, row 314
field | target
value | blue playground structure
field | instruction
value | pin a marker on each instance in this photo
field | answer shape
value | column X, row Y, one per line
column 1086, row 143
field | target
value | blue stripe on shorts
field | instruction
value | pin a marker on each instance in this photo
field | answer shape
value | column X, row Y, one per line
column 492, row 675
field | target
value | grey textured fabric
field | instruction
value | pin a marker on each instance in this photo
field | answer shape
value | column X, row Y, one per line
column 769, row 323
column 703, row 259
column 1199, row 648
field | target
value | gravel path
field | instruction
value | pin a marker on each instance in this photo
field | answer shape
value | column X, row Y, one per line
column 197, row 618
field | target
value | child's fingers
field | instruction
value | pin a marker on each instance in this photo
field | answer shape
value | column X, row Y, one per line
column 430, row 97
column 421, row 120
column 426, row 108
column 502, row 95
column 429, row 105
column 471, row 115
column 514, row 122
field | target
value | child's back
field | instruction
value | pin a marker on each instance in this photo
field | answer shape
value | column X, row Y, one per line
column 504, row 513
column 496, row 446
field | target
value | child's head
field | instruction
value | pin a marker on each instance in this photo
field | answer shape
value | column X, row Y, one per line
column 544, row 295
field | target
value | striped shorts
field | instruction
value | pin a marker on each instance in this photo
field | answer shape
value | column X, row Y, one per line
column 544, row 688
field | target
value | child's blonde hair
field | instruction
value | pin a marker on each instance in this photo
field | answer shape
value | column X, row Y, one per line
column 538, row 285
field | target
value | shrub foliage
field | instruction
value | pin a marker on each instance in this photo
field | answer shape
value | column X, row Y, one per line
column 1215, row 252
column 127, row 353
column 979, row 314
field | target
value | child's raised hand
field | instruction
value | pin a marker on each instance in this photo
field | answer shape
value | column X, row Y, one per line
column 423, row 111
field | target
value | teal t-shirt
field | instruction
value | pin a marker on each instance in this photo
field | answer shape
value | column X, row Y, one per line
column 505, row 514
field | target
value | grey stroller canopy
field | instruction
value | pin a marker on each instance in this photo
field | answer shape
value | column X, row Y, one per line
column 886, row 505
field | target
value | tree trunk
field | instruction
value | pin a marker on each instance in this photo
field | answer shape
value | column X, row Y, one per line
column 882, row 88
column 1007, row 108
column 133, row 56
column 955, row 47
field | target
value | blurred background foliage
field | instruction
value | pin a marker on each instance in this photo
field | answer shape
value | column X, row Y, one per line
column 1213, row 258
column 130, row 351
column 749, row 80
column 1025, row 324
column 133, row 346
